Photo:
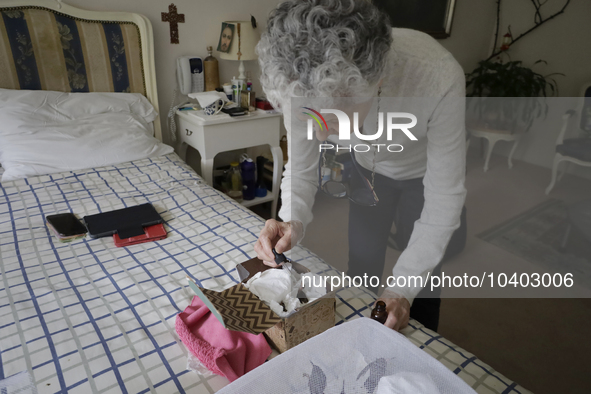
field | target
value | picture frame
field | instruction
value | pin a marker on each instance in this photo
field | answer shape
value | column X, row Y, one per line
column 226, row 37
column 433, row 17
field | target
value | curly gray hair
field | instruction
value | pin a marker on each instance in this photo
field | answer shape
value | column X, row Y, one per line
column 323, row 48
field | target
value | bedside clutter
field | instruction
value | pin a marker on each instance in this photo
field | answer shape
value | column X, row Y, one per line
column 256, row 179
column 222, row 133
column 262, row 103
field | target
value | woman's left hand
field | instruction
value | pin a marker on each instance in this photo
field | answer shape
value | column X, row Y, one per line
column 398, row 309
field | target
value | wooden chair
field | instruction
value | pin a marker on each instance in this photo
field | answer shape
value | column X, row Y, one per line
column 573, row 150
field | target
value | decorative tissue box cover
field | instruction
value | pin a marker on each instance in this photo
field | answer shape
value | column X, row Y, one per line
column 240, row 310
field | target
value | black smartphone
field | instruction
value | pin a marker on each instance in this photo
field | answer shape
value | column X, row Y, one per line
column 236, row 111
column 66, row 224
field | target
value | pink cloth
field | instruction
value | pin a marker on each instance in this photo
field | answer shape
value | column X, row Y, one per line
column 223, row 352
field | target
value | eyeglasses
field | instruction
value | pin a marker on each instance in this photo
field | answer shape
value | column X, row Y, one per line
column 364, row 195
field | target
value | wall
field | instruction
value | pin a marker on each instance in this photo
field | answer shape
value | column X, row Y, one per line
column 564, row 42
column 471, row 31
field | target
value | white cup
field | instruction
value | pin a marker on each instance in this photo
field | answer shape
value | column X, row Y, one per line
column 214, row 107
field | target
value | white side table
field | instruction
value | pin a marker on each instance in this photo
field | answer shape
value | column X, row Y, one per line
column 221, row 134
column 494, row 136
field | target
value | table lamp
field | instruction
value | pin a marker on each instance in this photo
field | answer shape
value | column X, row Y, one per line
column 237, row 42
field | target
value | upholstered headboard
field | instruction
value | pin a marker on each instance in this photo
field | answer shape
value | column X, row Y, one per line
column 48, row 45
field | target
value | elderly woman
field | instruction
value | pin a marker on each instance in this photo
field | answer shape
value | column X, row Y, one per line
column 346, row 48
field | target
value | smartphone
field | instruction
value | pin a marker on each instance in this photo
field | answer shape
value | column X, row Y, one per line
column 66, row 226
column 235, row 111
column 151, row 233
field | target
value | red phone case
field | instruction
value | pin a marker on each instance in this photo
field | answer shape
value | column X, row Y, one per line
column 151, row 233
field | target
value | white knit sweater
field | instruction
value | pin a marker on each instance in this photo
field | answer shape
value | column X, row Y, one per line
column 418, row 67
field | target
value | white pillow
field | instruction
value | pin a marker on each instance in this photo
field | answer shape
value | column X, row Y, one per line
column 44, row 132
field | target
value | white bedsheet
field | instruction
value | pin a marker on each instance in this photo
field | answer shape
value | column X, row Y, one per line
column 89, row 317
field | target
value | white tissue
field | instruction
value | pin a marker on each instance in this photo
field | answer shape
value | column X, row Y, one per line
column 276, row 286
column 270, row 285
column 313, row 292
column 207, row 98
column 195, row 365
column 407, row 383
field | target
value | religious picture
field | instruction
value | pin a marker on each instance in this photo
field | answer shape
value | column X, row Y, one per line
column 226, row 37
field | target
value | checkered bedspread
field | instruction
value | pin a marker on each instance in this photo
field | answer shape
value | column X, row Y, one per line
column 90, row 317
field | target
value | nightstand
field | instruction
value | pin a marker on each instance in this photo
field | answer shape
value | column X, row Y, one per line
column 224, row 133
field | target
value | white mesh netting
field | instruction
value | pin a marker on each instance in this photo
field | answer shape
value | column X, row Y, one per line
column 357, row 357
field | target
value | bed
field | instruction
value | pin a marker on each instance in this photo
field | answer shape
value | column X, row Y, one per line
column 88, row 317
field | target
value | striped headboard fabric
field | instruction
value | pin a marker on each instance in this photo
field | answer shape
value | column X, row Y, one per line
column 42, row 49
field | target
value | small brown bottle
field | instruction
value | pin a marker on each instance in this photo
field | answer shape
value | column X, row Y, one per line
column 212, row 74
column 379, row 312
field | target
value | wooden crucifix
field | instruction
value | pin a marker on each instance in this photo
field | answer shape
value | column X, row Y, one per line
column 174, row 19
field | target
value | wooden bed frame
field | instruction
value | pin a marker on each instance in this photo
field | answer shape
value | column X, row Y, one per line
column 145, row 31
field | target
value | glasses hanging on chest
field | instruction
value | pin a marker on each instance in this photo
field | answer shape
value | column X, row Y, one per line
column 364, row 194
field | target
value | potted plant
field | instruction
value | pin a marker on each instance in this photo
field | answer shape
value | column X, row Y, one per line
column 507, row 95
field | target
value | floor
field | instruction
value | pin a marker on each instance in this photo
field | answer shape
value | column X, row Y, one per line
column 542, row 344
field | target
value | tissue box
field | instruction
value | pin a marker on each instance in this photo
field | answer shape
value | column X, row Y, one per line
column 240, row 310
column 310, row 320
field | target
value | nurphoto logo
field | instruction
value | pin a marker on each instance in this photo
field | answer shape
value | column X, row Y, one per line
column 392, row 119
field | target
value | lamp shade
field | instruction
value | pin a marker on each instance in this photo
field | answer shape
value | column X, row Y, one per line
column 242, row 42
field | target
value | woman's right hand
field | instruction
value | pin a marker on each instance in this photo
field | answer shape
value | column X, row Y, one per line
column 278, row 235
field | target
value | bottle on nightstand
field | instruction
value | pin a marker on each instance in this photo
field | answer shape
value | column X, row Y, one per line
column 247, row 100
column 247, row 96
column 247, row 169
column 235, row 182
column 212, row 74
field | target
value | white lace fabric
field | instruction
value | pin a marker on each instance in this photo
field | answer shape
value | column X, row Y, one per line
column 357, row 357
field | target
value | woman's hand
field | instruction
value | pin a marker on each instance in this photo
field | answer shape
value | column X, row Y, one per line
column 398, row 309
column 278, row 235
